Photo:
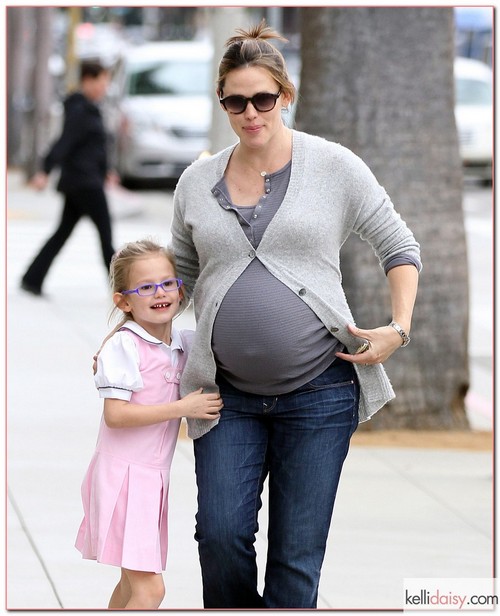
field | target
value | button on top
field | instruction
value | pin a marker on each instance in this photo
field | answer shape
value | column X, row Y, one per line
column 302, row 292
column 251, row 254
column 334, row 330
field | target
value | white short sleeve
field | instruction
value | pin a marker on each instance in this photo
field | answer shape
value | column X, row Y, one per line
column 118, row 372
column 188, row 339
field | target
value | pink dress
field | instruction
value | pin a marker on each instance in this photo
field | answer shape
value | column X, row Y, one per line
column 125, row 489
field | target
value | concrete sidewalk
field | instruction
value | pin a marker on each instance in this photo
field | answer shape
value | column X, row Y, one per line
column 401, row 512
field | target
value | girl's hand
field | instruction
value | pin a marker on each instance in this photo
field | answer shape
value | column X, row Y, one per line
column 202, row 406
column 382, row 342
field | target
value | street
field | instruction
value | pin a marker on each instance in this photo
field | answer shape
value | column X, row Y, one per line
column 478, row 210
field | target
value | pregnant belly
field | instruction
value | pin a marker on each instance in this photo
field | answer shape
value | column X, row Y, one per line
column 265, row 336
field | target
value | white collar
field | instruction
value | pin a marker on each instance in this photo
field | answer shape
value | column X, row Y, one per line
column 142, row 333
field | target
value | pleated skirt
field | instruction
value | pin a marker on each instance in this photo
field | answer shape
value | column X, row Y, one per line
column 125, row 514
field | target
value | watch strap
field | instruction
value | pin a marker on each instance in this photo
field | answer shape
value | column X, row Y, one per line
column 406, row 339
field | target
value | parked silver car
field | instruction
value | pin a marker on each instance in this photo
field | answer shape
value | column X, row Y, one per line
column 474, row 116
column 161, row 108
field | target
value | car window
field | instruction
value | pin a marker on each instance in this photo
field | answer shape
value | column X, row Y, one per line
column 473, row 92
column 173, row 78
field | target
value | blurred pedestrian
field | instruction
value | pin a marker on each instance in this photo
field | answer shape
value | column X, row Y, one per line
column 257, row 232
column 81, row 154
column 125, row 489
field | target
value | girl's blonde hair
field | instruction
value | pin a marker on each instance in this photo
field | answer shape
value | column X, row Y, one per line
column 252, row 48
column 122, row 261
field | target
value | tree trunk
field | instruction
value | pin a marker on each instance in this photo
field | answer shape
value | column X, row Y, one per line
column 380, row 82
column 42, row 88
column 18, row 65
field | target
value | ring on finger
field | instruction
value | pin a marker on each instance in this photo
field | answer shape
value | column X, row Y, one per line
column 364, row 347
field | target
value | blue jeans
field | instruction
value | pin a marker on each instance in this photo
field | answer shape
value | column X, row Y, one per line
column 300, row 440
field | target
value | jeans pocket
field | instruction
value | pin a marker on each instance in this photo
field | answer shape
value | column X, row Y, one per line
column 339, row 374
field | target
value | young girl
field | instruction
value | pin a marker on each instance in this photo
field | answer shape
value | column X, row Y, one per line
column 139, row 367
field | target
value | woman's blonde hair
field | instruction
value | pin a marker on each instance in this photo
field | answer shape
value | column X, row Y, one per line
column 252, row 48
column 122, row 261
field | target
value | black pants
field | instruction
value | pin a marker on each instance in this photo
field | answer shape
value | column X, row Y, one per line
column 91, row 203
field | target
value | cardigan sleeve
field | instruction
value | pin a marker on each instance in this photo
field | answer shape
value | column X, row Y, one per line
column 182, row 244
column 377, row 221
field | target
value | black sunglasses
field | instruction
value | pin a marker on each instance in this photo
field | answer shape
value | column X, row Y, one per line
column 262, row 101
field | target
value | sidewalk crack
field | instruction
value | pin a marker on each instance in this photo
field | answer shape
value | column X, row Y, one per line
column 33, row 545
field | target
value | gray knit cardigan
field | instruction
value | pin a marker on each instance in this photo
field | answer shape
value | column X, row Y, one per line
column 331, row 193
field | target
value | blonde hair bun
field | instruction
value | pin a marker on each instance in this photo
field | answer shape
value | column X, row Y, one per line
column 261, row 32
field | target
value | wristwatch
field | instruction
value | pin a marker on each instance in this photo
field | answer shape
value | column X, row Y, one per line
column 401, row 332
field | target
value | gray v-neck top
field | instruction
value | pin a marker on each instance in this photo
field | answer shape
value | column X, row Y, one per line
column 266, row 340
